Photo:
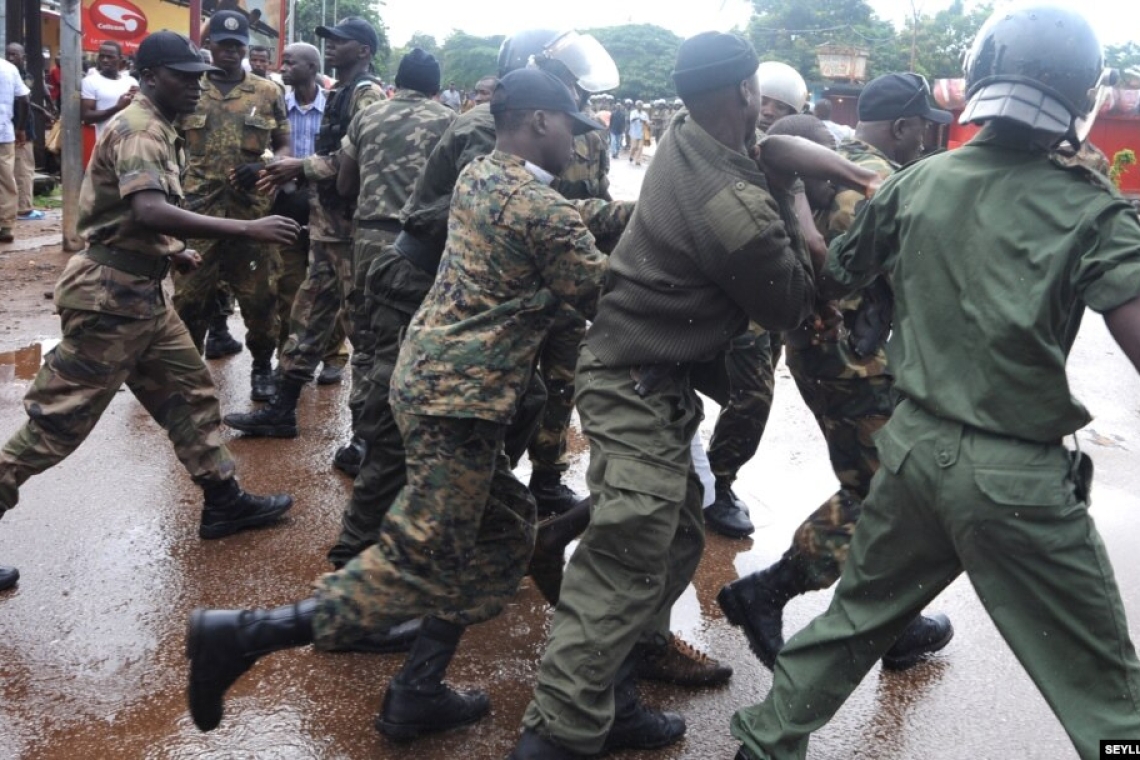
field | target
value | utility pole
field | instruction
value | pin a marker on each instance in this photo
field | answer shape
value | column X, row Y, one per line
column 71, row 156
column 914, row 10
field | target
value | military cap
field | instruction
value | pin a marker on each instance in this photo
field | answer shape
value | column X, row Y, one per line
column 712, row 60
column 171, row 50
column 228, row 25
column 352, row 28
column 531, row 89
column 896, row 96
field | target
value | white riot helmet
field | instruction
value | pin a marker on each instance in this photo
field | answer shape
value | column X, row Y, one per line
column 781, row 82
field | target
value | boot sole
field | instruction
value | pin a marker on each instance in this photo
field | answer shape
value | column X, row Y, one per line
column 403, row 732
column 264, row 431
column 918, row 655
column 736, row 615
column 221, row 530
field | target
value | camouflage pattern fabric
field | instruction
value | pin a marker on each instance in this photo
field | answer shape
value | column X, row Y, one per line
column 294, row 268
column 751, row 381
column 99, row 352
column 225, row 132
column 139, row 151
column 329, row 224
column 455, row 543
column 251, row 271
column 317, row 308
column 516, row 250
column 394, row 290
column 587, row 176
column 851, row 399
column 390, row 141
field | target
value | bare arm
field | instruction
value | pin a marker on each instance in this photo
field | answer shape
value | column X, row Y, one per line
column 1124, row 324
column 20, row 117
column 348, row 177
column 151, row 209
column 787, row 155
column 89, row 114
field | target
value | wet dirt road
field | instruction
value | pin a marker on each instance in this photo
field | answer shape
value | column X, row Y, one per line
column 91, row 641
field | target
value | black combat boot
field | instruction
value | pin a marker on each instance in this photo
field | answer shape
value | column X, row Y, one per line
column 549, row 555
column 756, row 604
column 219, row 342
column 531, row 746
column 350, row 457
column 277, row 420
column 398, row 638
column 8, row 577
column 728, row 515
column 330, row 374
column 924, row 636
column 229, row 509
column 552, row 496
column 417, row 701
column 635, row 725
column 262, row 383
column 223, row 644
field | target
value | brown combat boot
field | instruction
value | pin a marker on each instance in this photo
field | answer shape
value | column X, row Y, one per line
column 680, row 663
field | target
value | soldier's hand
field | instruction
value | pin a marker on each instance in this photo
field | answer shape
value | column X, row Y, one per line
column 245, row 176
column 279, row 172
column 186, row 261
column 274, row 229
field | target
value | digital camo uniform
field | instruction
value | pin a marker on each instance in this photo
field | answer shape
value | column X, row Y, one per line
column 116, row 325
column 391, row 142
column 397, row 282
column 328, row 284
column 225, row 132
column 587, row 176
column 457, row 539
column 849, row 394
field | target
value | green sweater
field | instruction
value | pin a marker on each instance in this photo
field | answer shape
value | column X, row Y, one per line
column 707, row 249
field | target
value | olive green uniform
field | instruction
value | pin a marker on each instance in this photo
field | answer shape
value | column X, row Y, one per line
column 116, row 325
column 973, row 475
column 457, row 539
column 708, row 248
column 225, row 132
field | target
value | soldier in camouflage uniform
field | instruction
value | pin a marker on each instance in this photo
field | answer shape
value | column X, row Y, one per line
column 116, row 325
column 842, row 374
column 350, row 46
column 382, row 155
column 456, row 541
column 239, row 119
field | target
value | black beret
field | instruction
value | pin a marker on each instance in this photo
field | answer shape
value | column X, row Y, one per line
column 712, row 60
column 419, row 71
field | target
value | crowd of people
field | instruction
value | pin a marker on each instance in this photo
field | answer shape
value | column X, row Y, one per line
column 489, row 285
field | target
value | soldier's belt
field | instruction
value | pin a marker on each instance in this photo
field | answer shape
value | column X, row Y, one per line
column 131, row 262
column 384, row 225
column 417, row 252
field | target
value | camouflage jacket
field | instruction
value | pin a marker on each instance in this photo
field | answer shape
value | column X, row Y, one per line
column 225, row 132
column 326, row 223
column 516, row 250
column 833, row 358
column 390, row 141
column 473, row 135
column 139, row 150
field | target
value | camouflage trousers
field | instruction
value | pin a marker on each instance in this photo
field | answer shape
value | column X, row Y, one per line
column 367, row 245
column 556, row 363
column 294, row 268
column 250, row 270
column 849, row 413
column 394, row 288
column 318, row 307
column 455, row 543
column 79, row 378
column 750, row 363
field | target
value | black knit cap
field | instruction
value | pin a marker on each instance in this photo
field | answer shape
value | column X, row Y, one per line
column 419, row 71
column 712, row 60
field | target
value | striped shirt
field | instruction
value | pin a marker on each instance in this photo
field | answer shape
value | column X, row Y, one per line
column 305, row 122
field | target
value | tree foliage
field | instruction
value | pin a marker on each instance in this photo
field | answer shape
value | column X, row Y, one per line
column 644, row 54
column 1123, row 57
column 309, row 18
column 463, row 58
column 939, row 43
